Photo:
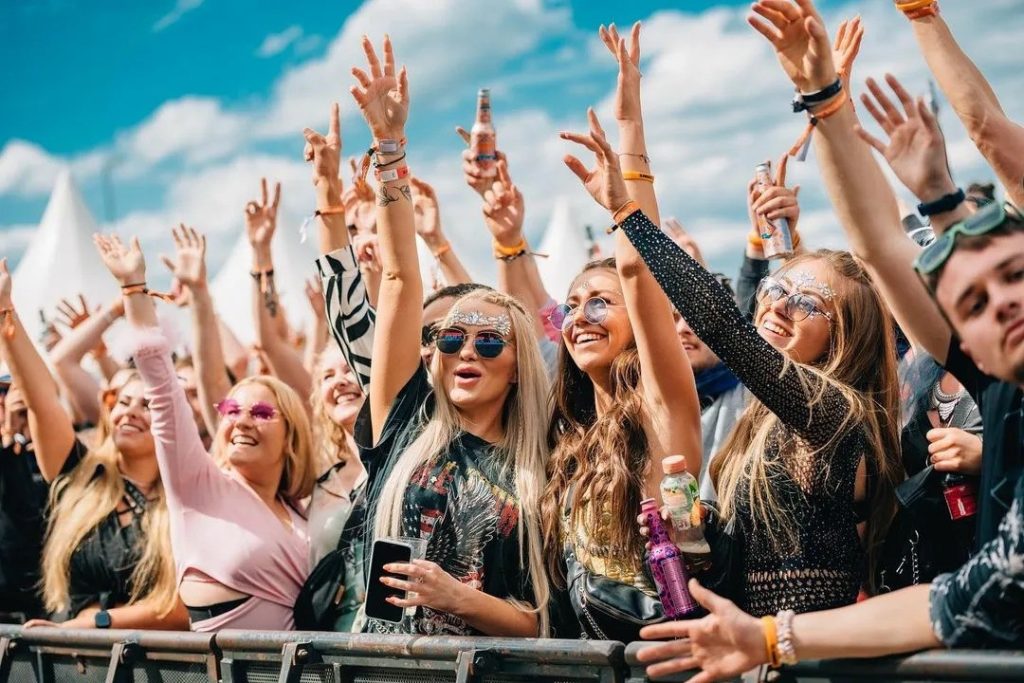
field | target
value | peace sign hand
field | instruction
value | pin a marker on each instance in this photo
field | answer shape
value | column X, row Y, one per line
column 325, row 153
column 383, row 98
column 261, row 217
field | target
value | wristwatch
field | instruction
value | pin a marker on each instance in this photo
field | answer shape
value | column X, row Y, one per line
column 102, row 619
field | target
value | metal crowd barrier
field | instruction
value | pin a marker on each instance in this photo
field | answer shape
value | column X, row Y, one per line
column 50, row 655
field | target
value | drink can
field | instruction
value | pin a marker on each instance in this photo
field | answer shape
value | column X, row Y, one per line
column 776, row 237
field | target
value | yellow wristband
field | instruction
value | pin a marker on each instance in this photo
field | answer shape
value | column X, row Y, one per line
column 510, row 251
column 912, row 5
column 443, row 249
column 771, row 640
column 637, row 175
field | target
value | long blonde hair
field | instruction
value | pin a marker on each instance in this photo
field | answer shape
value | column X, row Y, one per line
column 861, row 365
column 300, row 468
column 522, row 452
column 80, row 501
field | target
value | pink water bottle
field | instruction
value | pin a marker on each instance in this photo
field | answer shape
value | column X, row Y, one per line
column 665, row 561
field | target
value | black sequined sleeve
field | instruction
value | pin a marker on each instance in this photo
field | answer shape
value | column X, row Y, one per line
column 786, row 389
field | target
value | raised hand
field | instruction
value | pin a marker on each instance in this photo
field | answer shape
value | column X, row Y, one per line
column 382, row 97
column 849, row 36
column 315, row 295
column 798, row 34
column 189, row 265
column 358, row 201
column 426, row 213
column 125, row 263
column 726, row 643
column 627, row 94
column 325, row 153
column 5, row 285
column 684, row 240
column 916, row 150
column 604, row 182
column 504, row 209
column 367, row 248
column 261, row 216
column 73, row 317
column 477, row 178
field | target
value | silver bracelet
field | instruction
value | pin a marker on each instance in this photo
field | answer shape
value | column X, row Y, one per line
column 784, row 625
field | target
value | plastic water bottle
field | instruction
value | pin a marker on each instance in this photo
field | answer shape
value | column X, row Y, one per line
column 665, row 561
column 681, row 495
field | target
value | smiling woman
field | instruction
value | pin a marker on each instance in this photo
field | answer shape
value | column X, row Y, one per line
column 238, row 534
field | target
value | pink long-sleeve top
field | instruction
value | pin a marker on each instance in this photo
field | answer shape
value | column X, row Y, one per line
column 220, row 528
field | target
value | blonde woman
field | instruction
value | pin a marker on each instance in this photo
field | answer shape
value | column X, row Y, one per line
column 107, row 555
column 239, row 536
column 460, row 464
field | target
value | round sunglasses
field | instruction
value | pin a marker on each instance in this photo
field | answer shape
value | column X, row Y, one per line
column 595, row 311
column 799, row 306
column 487, row 344
column 232, row 411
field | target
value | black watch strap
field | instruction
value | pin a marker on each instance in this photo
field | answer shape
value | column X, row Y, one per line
column 102, row 619
column 942, row 204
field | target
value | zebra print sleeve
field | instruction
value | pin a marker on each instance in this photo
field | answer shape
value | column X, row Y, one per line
column 349, row 314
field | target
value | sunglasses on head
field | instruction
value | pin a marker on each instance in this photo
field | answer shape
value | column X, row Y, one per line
column 487, row 343
column 595, row 311
column 987, row 219
column 799, row 306
column 232, row 411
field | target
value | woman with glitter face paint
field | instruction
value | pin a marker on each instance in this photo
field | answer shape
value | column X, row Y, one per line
column 454, row 452
column 807, row 476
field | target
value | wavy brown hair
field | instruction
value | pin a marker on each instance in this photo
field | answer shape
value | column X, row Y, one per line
column 603, row 458
column 861, row 364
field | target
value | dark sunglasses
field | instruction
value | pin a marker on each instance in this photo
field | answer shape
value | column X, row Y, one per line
column 486, row 343
column 232, row 411
column 987, row 219
column 799, row 306
column 595, row 311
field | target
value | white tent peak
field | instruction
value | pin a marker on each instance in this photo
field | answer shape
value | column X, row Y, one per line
column 565, row 243
column 60, row 261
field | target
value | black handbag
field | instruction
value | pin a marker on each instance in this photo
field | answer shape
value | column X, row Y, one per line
column 607, row 609
column 318, row 605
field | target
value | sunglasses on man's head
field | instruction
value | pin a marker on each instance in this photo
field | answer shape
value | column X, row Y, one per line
column 488, row 344
column 987, row 219
column 595, row 311
column 232, row 411
column 799, row 306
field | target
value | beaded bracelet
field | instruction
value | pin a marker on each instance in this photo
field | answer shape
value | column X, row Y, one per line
column 786, row 648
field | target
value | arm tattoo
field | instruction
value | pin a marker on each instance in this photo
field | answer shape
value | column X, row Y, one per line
column 270, row 296
column 406, row 192
column 383, row 198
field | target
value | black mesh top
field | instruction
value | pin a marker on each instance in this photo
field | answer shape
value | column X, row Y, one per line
column 821, row 456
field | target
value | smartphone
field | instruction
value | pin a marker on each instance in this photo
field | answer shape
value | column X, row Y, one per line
column 377, row 606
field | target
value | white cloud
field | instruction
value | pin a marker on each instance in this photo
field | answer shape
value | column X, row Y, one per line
column 196, row 127
column 181, row 8
column 441, row 42
column 276, row 43
column 27, row 169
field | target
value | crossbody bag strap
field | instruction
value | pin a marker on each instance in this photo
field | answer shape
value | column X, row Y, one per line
column 135, row 498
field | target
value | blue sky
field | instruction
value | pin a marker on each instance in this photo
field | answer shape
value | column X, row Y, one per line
column 191, row 100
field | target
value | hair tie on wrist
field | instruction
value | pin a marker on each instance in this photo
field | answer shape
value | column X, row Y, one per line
column 141, row 288
column 942, row 204
column 442, row 250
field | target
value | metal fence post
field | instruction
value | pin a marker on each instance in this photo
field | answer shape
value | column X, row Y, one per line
column 294, row 657
column 6, row 646
column 122, row 653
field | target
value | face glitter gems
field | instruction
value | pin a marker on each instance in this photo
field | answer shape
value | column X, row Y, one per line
column 502, row 323
column 801, row 279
